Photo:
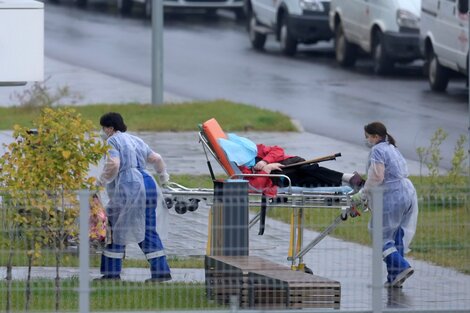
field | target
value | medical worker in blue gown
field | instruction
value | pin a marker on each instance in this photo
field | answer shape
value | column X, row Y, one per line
column 386, row 168
column 135, row 200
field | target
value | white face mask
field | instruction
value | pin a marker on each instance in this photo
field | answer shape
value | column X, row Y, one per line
column 103, row 135
column 368, row 143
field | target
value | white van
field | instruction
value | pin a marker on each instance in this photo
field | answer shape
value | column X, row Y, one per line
column 444, row 40
column 388, row 30
column 291, row 21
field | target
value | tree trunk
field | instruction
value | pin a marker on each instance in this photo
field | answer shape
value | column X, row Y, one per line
column 57, row 276
column 9, row 278
column 28, row 283
column 59, row 237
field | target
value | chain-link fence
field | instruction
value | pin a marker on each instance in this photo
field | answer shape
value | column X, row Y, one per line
column 50, row 257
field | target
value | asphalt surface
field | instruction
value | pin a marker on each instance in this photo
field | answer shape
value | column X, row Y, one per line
column 431, row 287
column 211, row 58
column 181, row 151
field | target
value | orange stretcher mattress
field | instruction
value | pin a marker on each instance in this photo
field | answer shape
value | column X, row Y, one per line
column 213, row 132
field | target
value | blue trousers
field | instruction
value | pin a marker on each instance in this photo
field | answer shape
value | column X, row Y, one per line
column 111, row 259
column 394, row 256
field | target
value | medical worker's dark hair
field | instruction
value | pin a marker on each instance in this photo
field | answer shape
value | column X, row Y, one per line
column 378, row 128
column 114, row 120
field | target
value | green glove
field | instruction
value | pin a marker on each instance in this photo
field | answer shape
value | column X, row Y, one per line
column 356, row 198
column 359, row 201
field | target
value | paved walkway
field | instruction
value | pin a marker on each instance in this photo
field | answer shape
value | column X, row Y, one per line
column 431, row 287
column 184, row 154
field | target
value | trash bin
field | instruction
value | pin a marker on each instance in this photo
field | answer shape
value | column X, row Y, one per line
column 229, row 223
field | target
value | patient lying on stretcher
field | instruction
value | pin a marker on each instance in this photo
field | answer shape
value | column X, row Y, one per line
column 254, row 158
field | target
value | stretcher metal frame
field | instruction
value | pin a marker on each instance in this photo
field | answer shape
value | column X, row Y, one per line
column 295, row 198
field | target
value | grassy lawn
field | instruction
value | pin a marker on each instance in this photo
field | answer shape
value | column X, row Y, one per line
column 109, row 296
column 70, row 259
column 170, row 117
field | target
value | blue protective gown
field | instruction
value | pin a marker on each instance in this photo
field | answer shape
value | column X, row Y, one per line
column 133, row 199
column 126, row 207
column 387, row 168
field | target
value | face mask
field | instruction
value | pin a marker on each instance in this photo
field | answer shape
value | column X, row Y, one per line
column 368, row 143
column 103, row 135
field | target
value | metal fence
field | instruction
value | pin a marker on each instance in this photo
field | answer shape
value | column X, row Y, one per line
column 49, row 268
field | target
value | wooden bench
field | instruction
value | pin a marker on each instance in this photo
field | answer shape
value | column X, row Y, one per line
column 259, row 283
column 292, row 290
column 227, row 276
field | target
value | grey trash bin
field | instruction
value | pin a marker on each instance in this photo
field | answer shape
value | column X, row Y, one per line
column 229, row 228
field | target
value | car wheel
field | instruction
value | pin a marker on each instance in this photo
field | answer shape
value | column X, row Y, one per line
column 345, row 52
column 288, row 42
column 438, row 75
column 382, row 62
column 211, row 13
column 239, row 14
column 81, row 3
column 257, row 39
column 148, row 9
column 124, row 6
column 247, row 10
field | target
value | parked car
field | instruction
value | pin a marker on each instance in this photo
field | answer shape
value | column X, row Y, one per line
column 291, row 21
column 388, row 30
column 444, row 40
column 79, row 3
column 125, row 6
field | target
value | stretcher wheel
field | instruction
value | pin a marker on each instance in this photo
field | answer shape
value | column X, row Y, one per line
column 331, row 201
column 181, row 207
column 193, row 205
column 281, row 199
column 169, row 203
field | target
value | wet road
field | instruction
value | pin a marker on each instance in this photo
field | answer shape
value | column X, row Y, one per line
column 212, row 58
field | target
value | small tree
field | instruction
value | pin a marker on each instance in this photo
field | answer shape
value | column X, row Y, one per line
column 42, row 172
column 40, row 95
column 458, row 170
column 431, row 156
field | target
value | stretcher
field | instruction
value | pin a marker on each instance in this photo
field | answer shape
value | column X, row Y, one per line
column 292, row 197
column 184, row 199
